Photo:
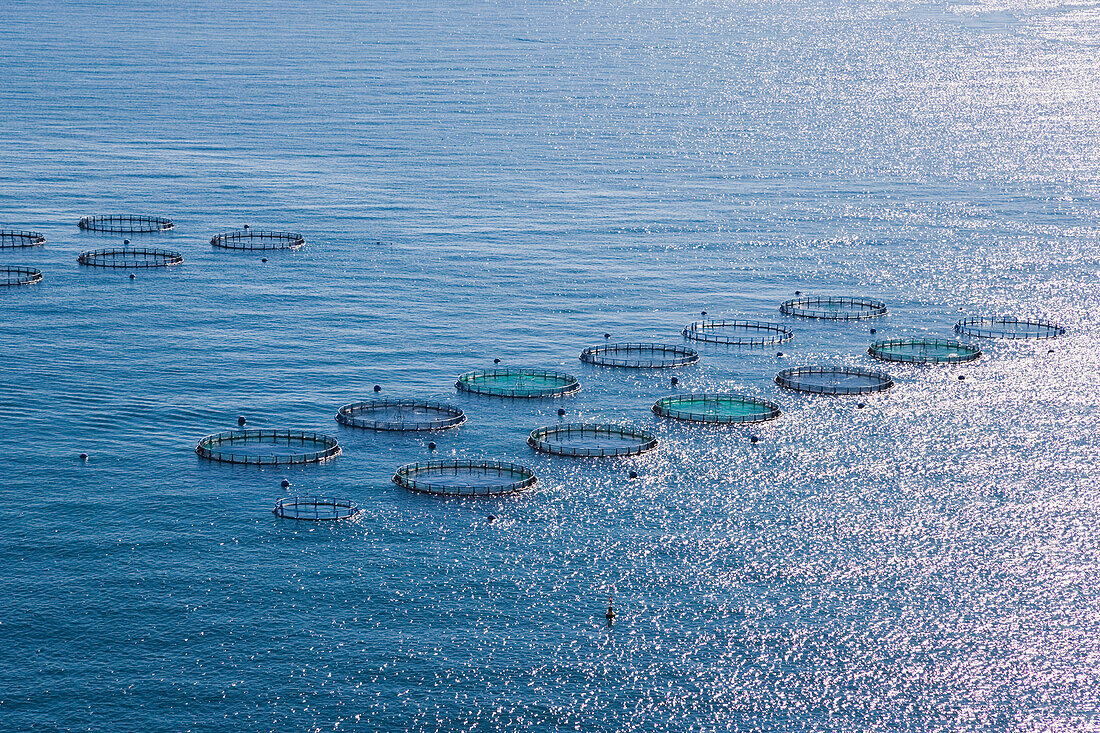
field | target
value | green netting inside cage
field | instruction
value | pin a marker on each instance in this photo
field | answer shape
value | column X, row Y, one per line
column 255, row 239
column 834, row 380
column 400, row 414
column 721, row 408
column 738, row 333
column 591, row 440
column 465, row 478
column 315, row 508
column 834, row 308
column 924, row 351
column 640, row 356
column 12, row 275
column 13, row 239
column 1008, row 328
column 518, row 383
column 128, row 258
column 125, row 224
column 268, row 447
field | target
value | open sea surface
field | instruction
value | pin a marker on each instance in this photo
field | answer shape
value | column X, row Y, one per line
column 481, row 180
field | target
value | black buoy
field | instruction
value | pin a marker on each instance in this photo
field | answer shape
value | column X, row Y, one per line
column 674, row 381
column 246, row 226
column 285, row 484
column 133, row 276
column 962, row 377
column 860, row 406
column 704, row 314
column 241, row 421
column 633, row 474
column 561, row 412
column 491, row 518
column 431, row 445
column 263, row 259
column 610, row 615
column 83, row 456
column 377, row 388
column 798, row 292
column 607, row 335
column 1050, row 351
column 496, row 361
column 125, row 241
column 779, row 353
column 874, row 330
column 754, row 439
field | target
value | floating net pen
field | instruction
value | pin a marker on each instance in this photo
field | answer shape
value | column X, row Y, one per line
column 268, row 447
column 465, row 478
column 253, row 239
column 1008, row 328
column 127, row 258
column 125, row 224
column 640, row 356
column 834, row 309
column 834, row 380
column 11, row 275
column 924, row 351
column 396, row 414
column 13, row 239
column 738, row 333
column 518, row 383
column 723, row 408
column 588, row 440
column 315, row 508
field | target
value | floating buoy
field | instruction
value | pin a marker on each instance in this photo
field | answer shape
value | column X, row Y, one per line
column 874, row 330
column 674, row 381
column 861, row 405
column 779, row 354
column 496, row 361
column 247, row 227
column 241, row 421
column 704, row 314
column 798, row 292
column 610, row 615
column 962, row 377
column 125, row 241
column 133, row 276
column 607, row 335
column 377, row 388
column 431, row 445
column 1050, row 351
column 754, row 439
column 491, row 518
column 633, row 474
column 561, row 412
column 83, row 456
column 285, row 484
column 263, row 259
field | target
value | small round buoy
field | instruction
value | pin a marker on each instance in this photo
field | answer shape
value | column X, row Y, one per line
column 607, row 335
column 754, row 439
column 610, row 615
column 377, row 243
column 633, row 474
column 83, row 456
column 779, row 353
column 962, row 377
column 263, row 259
column 674, row 381
column 491, row 518
column 704, row 314
column 241, row 421
column 285, row 484
column 496, row 361
column 125, row 241
column 246, row 226
column 431, row 445
column 561, row 412
column 798, row 292
column 860, row 406
column 133, row 276
column 1050, row 351
column 377, row 388
column 874, row 330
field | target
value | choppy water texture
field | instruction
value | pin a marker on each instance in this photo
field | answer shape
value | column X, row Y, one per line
column 512, row 180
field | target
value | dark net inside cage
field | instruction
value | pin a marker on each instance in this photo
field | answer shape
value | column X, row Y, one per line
column 518, row 383
column 125, row 224
column 268, row 447
column 1008, row 328
column 718, row 408
column 128, row 258
column 315, row 508
column 255, row 239
column 465, row 478
column 13, row 239
column 591, row 440
column 12, row 275
column 924, row 351
column 834, row 308
column 398, row 414
column 834, row 380
column 738, row 333
column 640, row 356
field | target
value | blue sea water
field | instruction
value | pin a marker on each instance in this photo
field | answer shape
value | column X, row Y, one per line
column 511, row 180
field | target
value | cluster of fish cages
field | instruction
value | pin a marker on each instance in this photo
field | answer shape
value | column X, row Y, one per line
column 268, row 447
column 125, row 224
column 15, row 275
column 130, row 258
column 465, row 478
column 400, row 415
column 254, row 239
column 16, row 239
column 589, row 440
column 737, row 332
column 640, row 356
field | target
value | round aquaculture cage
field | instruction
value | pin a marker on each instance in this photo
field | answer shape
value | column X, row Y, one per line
column 126, row 258
column 924, row 351
column 518, row 383
column 720, row 408
column 1008, row 328
column 19, row 275
column 125, row 224
column 834, row 309
column 315, row 508
column 13, row 239
column 587, row 440
column 268, row 447
column 255, row 239
column 465, row 478
column 391, row 414
column 738, row 333
column 834, row 380
column 640, row 356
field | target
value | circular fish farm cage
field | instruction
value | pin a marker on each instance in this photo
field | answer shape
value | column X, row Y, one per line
column 640, row 356
column 315, row 508
column 14, row 239
column 724, row 408
column 125, row 224
column 254, row 239
column 738, row 333
column 465, row 478
column 834, row 380
column 127, row 258
column 13, row 275
column 589, row 440
column 268, row 447
column 394, row 414
column 521, row 383
column 834, row 309
column 1008, row 328
column 924, row 351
